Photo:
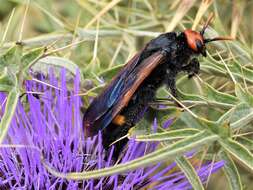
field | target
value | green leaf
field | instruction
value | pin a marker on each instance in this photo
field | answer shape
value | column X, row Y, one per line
column 6, row 80
column 189, row 172
column 239, row 116
column 190, row 121
column 245, row 120
column 242, row 95
column 11, row 104
column 89, row 34
column 245, row 142
column 12, row 59
column 44, row 39
column 217, row 69
column 50, row 14
column 56, row 63
column 231, row 172
column 213, row 68
column 108, row 74
column 239, row 151
column 241, row 73
column 159, row 155
column 31, row 57
column 210, row 97
column 5, row 88
column 94, row 91
column 215, row 95
column 11, row 56
column 221, row 129
column 192, row 99
column 168, row 135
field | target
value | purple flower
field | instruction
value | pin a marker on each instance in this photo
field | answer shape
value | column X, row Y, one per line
column 51, row 126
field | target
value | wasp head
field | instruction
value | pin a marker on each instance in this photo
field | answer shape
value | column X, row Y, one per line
column 196, row 40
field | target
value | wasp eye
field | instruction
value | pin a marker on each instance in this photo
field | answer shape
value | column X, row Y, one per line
column 199, row 45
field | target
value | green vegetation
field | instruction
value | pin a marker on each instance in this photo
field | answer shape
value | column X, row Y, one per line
column 99, row 36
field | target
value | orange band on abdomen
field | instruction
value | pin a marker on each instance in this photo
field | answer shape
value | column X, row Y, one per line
column 119, row 120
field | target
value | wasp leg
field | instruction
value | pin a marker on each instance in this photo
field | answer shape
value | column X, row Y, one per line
column 159, row 100
column 172, row 86
column 192, row 68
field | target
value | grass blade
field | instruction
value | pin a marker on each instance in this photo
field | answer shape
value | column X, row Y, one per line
column 168, row 135
column 11, row 104
column 189, row 172
column 173, row 150
column 231, row 172
column 239, row 151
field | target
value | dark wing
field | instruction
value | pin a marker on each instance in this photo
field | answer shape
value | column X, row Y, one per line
column 119, row 92
column 104, row 101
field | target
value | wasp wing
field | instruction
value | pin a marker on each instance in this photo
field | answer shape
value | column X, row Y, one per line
column 103, row 102
column 119, row 92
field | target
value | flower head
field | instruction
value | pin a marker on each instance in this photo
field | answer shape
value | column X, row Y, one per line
column 51, row 126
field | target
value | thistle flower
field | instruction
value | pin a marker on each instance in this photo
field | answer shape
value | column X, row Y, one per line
column 52, row 126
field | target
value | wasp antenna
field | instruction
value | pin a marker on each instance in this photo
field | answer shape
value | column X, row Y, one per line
column 210, row 17
column 218, row 39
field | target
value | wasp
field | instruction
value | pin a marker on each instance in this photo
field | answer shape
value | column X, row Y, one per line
column 120, row 104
